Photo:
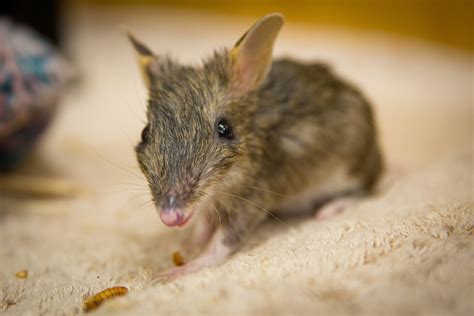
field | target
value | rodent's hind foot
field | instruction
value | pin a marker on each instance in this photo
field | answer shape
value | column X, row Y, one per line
column 335, row 206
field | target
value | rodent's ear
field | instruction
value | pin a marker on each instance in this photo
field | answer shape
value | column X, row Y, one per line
column 145, row 58
column 251, row 56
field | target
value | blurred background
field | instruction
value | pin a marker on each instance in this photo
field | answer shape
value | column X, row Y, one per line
column 413, row 59
column 440, row 21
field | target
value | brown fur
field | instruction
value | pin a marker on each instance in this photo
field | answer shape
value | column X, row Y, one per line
column 291, row 131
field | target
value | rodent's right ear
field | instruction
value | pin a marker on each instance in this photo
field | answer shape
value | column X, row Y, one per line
column 145, row 58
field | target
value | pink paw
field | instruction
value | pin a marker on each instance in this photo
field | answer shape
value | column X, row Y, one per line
column 174, row 273
column 177, row 272
column 334, row 207
column 171, row 274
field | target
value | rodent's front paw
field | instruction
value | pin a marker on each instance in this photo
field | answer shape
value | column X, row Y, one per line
column 176, row 272
column 171, row 274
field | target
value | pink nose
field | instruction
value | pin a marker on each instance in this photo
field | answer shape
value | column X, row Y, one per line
column 174, row 217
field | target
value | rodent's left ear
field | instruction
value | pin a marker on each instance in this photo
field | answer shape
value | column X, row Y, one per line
column 251, row 56
column 145, row 58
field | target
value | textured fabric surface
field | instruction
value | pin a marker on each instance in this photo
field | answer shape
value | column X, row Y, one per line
column 407, row 251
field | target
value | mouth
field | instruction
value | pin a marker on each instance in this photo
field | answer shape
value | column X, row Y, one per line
column 175, row 217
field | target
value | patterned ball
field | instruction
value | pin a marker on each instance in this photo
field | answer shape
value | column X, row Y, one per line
column 32, row 76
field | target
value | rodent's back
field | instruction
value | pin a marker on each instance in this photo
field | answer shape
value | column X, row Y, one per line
column 309, row 117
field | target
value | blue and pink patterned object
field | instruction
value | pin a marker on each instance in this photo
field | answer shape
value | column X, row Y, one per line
column 32, row 76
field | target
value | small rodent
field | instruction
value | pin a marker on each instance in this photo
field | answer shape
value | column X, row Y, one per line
column 241, row 136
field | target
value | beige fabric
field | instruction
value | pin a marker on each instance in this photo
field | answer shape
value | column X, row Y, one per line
column 408, row 251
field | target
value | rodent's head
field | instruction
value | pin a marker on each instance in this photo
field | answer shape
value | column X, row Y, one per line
column 197, row 120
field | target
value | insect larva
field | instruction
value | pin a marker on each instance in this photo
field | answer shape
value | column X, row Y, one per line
column 178, row 258
column 92, row 302
column 23, row 274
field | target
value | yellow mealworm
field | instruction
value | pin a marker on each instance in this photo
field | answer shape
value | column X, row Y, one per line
column 23, row 274
column 92, row 302
column 178, row 258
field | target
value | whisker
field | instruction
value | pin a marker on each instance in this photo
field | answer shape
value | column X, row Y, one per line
column 143, row 184
column 229, row 216
column 126, row 190
column 118, row 166
column 219, row 215
column 265, row 190
column 146, row 203
column 130, row 141
column 141, row 195
column 255, row 204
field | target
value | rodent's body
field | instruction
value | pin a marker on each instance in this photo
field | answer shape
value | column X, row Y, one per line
column 241, row 137
column 309, row 127
column 310, row 138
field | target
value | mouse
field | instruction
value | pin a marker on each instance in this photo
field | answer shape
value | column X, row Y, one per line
column 241, row 136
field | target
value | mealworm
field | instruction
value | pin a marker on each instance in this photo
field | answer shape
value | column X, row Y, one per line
column 92, row 302
column 178, row 258
column 23, row 274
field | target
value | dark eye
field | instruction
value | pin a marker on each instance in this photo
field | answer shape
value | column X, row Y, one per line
column 146, row 134
column 224, row 130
